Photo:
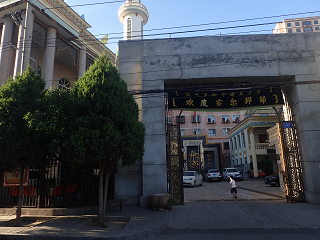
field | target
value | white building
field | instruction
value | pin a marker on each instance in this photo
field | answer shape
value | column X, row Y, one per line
column 249, row 146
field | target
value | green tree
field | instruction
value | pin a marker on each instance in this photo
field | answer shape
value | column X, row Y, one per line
column 107, row 124
column 19, row 147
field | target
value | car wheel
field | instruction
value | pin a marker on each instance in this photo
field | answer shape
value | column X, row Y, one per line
column 194, row 183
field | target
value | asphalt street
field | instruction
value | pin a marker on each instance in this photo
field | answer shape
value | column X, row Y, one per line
column 260, row 212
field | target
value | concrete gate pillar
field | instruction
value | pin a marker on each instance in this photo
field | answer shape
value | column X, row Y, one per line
column 5, row 49
column 253, row 152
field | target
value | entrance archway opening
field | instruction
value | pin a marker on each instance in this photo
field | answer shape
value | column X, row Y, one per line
column 249, row 151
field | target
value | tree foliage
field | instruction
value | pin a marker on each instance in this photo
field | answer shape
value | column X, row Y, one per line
column 107, row 121
column 18, row 99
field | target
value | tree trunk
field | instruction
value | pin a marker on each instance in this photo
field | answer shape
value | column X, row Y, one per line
column 18, row 213
column 101, row 208
column 105, row 197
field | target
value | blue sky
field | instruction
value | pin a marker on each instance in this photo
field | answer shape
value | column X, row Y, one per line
column 175, row 13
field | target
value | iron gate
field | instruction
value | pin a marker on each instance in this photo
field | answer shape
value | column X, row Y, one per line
column 174, row 164
column 289, row 149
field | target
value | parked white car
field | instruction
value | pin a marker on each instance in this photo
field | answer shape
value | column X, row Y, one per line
column 192, row 178
column 227, row 172
column 213, row 175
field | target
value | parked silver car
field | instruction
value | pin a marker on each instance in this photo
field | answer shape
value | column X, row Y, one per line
column 213, row 175
column 227, row 172
column 192, row 178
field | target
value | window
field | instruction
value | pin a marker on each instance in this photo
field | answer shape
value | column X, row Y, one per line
column 211, row 132
column 141, row 30
column 225, row 118
column 236, row 118
column 226, row 145
column 195, row 119
column 306, row 23
column 129, row 28
column 289, row 30
column 210, row 119
column 264, row 114
column 225, row 131
column 64, row 84
column 297, row 23
column 196, row 131
column 298, row 30
column 316, row 22
column 317, row 28
column 289, row 25
column 180, row 119
column 182, row 133
column 168, row 119
column 309, row 29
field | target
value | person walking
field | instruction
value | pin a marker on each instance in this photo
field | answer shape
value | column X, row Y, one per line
column 233, row 187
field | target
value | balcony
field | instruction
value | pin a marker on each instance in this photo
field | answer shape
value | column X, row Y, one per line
column 262, row 148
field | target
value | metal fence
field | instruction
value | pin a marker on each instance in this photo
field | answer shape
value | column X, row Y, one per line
column 57, row 185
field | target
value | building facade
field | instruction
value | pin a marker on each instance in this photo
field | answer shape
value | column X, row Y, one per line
column 250, row 150
column 213, row 127
column 51, row 37
column 298, row 25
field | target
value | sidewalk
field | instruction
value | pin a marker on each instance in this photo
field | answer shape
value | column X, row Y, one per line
column 256, row 204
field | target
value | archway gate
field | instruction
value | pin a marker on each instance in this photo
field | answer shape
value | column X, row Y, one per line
column 209, row 98
column 151, row 67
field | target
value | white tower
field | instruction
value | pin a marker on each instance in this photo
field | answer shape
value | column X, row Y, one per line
column 133, row 15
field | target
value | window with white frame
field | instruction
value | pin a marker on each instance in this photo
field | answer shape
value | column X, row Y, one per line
column 289, row 24
column 290, row 31
column 316, row 22
column 196, row 131
column 64, row 84
column 298, row 30
column 225, row 118
column 211, row 132
column 236, row 118
column 210, row 119
column 297, row 24
column 182, row 132
column 317, row 28
column 225, row 131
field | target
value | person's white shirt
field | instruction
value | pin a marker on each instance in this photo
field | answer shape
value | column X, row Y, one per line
column 233, row 183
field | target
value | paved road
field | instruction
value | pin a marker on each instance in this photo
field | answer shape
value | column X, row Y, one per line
column 247, row 190
column 260, row 212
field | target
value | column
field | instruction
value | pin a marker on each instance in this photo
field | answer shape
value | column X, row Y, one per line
column 26, row 49
column 253, row 152
column 82, row 61
column 5, row 49
column 48, row 57
column 17, row 63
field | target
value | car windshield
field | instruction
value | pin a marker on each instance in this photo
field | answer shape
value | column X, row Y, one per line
column 232, row 170
column 213, row 170
column 188, row 174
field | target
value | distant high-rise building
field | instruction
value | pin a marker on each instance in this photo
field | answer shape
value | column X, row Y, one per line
column 298, row 25
column 133, row 15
